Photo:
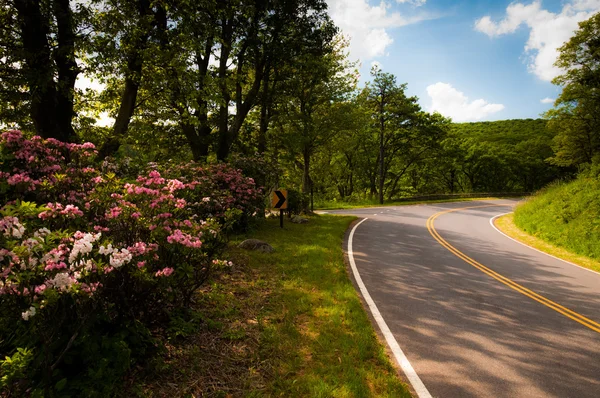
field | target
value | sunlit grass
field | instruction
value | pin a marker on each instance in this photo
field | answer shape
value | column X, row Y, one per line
column 285, row 324
column 315, row 332
column 507, row 225
column 566, row 215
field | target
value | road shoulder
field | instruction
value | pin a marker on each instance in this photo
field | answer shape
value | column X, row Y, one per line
column 506, row 225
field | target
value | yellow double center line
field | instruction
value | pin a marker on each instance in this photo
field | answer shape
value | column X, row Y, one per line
column 508, row 282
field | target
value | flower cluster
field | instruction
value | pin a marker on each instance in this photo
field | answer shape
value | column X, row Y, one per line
column 35, row 267
column 45, row 169
column 79, row 241
column 11, row 227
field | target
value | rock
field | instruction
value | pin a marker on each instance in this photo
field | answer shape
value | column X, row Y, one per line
column 299, row 220
column 258, row 245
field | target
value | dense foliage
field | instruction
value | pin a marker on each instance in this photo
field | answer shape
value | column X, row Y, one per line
column 429, row 155
column 95, row 267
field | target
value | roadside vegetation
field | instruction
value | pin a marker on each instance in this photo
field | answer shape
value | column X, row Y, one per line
column 288, row 324
column 506, row 224
column 566, row 215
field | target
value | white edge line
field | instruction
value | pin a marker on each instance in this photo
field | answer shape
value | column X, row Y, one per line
column 533, row 248
column 402, row 360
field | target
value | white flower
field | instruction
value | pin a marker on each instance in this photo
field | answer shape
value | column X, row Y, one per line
column 117, row 259
column 106, row 250
column 29, row 313
column 17, row 231
column 89, row 264
column 11, row 226
column 42, row 232
column 83, row 245
column 62, row 281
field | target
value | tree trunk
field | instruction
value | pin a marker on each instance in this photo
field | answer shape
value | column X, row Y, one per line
column 67, row 69
column 189, row 130
column 381, row 154
column 50, row 111
column 135, row 60
column 306, row 171
column 306, row 181
column 264, row 113
column 223, row 123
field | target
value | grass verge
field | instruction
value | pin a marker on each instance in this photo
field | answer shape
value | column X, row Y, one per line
column 566, row 215
column 285, row 324
column 507, row 225
column 355, row 205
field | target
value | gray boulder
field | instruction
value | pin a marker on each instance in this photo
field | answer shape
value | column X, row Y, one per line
column 299, row 220
column 258, row 245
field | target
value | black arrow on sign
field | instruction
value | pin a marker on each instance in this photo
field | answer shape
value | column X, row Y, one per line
column 281, row 199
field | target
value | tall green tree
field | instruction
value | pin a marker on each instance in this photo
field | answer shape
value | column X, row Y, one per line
column 576, row 115
column 316, row 99
column 393, row 115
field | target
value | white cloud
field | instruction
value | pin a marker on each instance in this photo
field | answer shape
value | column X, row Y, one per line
column 547, row 100
column 367, row 25
column 547, row 30
column 450, row 102
column 416, row 3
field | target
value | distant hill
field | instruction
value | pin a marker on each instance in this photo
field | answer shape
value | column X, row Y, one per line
column 506, row 132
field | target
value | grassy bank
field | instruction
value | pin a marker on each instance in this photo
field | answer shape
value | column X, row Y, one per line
column 286, row 324
column 507, row 225
column 566, row 215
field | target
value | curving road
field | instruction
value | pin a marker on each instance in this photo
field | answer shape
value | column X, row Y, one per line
column 475, row 313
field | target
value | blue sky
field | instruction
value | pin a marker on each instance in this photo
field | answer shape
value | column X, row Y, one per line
column 470, row 60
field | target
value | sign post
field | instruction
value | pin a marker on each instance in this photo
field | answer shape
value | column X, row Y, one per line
column 279, row 201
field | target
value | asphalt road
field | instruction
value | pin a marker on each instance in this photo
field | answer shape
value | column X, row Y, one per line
column 468, row 332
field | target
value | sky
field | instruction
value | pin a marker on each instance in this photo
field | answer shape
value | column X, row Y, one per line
column 471, row 60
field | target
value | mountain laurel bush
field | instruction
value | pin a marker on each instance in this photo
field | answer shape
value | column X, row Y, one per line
column 93, row 263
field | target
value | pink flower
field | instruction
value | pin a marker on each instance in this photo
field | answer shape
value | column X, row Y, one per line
column 40, row 289
column 114, row 212
column 164, row 272
column 184, row 239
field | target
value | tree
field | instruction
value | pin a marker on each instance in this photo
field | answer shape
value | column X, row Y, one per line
column 118, row 48
column 576, row 115
column 38, row 67
column 315, row 102
column 393, row 115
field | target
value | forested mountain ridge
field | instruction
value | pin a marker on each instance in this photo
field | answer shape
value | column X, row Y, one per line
column 512, row 131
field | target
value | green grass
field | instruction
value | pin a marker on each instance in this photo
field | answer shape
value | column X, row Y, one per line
column 507, row 225
column 285, row 324
column 333, row 205
column 566, row 215
column 315, row 331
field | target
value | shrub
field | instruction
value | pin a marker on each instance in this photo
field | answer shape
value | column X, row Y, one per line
column 92, row 266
